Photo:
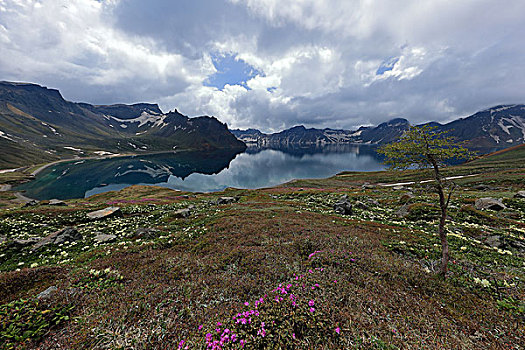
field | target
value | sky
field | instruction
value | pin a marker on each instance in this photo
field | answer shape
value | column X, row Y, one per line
column 273, row 64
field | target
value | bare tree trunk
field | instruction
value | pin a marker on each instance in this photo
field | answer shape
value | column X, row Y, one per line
column 443, row 204
column 443, row 234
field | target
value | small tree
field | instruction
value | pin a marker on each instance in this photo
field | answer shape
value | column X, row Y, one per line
column 424, row 147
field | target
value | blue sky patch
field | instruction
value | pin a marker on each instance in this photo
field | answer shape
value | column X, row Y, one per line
column 387, row 65
column 230, row 70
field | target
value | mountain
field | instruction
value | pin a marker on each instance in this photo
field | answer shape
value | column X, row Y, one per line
column 497, row 128
column 299, row 135
column 37, row 124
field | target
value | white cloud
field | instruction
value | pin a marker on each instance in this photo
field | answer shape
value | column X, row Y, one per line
column 318, row 58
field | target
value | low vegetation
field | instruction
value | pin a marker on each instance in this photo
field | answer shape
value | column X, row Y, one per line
column 273, row 268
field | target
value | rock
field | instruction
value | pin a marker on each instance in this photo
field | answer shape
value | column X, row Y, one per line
column 68, row 234
column 518, row 245
column 57, row 202
column 402, row 212
column 181, row 213
column 22, row 243
column 343, row 206
column 406, row 198
column 367, row 186
column 145, row 233
column 361, row 205
column 227, row 200
column 105, row 213
column 31, row 203
column 489, row 203
column 520, row 194
column 482, row 187
column 372, row 202
column 48, row 293
column 494, row 241
column 103, row 238
column 185, row 196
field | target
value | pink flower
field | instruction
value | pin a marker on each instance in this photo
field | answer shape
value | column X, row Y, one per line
column 311, row 303
column 200, row 327
column 247, row 304
column 338, row 330
column 312, row 309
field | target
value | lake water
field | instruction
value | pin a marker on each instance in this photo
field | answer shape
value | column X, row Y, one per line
column 200, row 171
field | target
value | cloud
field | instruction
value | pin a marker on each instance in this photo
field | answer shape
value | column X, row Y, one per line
column 331, row 63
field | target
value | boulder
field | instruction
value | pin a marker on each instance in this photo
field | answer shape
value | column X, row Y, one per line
column 68, row 234
column 181, row 213
column 402, row 212
column 48, row 293
column 146, row 233
column 57, row 202
column 372, row 202
column 361, row 205
column 520, row 194
column 407, row 197
column 103, row 238
column 105, row 213
column 31, row 203
column 343, row 206
column 227, row 200
column 518, row 245
column 482, row 187
column 494, row 241
column 22, row 243
column 489, row 203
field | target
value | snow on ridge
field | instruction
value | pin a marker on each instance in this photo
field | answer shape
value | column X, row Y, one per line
column 504, row 127
column 6, row 136
column 495, row 137
column 51, row 128
column 144, row 118
column 502, row 108
column 514, row 121
column 73, row 148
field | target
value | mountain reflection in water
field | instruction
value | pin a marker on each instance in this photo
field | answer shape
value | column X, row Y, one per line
column 200, row 171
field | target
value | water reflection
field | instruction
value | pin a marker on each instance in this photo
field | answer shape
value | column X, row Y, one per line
column 198, row 171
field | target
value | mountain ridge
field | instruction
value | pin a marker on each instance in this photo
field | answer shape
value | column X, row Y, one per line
column 37, row 124
column 497, row 127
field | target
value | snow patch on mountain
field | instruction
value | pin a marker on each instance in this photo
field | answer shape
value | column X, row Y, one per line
column 513, row 121
column 143, row 119
column 6, row 136
column 502, row 108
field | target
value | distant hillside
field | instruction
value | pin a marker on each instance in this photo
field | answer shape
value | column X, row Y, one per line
column 497, row 127
column 37, row 124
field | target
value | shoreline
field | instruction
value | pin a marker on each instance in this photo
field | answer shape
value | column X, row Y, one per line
column 21, row 198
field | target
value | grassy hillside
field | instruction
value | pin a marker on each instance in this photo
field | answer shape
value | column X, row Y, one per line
column 276, row 269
